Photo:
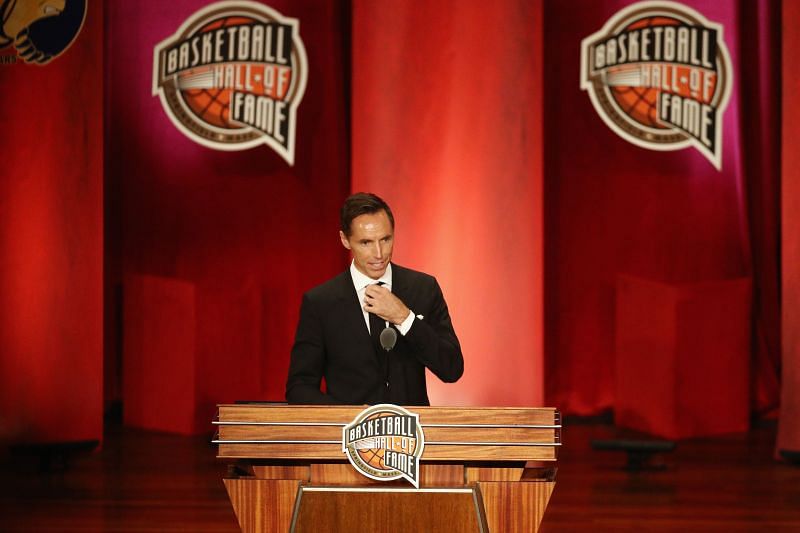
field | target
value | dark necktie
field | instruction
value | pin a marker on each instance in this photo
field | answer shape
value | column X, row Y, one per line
column 376, row 325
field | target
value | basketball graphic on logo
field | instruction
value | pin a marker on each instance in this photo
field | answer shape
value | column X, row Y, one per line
column 639, row 103
column 208, row 103
column 373, row 457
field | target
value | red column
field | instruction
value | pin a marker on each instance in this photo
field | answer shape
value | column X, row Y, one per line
column 447, row 107
column 51, row 243
column 789, row 429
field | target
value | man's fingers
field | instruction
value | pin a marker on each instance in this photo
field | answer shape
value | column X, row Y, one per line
column 376, row 290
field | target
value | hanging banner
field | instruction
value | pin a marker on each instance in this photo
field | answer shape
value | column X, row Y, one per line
column 232, row 76
column 659, row 75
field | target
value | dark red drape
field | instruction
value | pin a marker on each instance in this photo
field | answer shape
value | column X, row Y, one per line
column 670, row 217
column 789, row 428
column 51, row 243
column 247, row 232
column 760, row 24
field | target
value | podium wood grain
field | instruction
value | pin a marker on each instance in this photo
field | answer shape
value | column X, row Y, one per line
column 372, row 512
column 515, row 507
column 263, row 505
column 478, row 471
column 431, row 475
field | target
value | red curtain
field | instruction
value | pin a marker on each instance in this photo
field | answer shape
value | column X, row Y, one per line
column 789, row 429
column 246, row 230
column 614, row 209
column 51, row 243
column 760, row 65
column 447, row 127
column 468, row 119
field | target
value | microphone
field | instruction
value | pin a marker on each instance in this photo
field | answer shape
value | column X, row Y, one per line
column 388, row 338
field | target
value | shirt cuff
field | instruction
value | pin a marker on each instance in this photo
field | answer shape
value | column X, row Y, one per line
column 406, row 324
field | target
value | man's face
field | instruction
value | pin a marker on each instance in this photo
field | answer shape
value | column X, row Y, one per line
column 371, row 240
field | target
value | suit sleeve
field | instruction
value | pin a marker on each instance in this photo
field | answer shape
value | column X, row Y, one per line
column 307, row 364
column 434, row 340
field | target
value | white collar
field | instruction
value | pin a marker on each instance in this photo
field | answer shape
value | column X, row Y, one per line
column 361, row 280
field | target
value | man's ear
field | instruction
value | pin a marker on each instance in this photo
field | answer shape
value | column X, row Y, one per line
column 343, row 237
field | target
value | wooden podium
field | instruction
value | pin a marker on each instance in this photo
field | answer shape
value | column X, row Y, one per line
column 481, row 470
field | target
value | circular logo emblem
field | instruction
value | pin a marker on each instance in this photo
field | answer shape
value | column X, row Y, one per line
column 232, row 77
column 385, row 442
column 659, row 75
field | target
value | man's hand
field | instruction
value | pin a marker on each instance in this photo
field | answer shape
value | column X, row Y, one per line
column 380, row 301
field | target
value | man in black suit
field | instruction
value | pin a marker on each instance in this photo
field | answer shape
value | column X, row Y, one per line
column 340, row 321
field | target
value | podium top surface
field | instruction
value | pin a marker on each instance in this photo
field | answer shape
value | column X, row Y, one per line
column 305, row 432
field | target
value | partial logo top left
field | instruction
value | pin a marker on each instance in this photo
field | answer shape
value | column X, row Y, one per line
column 232, row 76
column 40, row 30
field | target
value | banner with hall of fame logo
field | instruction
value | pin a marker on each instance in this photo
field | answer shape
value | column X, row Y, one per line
column 232, row 76
column 659, row 75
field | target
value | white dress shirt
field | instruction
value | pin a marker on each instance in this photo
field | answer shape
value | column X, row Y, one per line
column 362, row 281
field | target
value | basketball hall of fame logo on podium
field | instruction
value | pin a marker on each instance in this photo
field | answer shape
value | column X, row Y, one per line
column 385, row 442
column 659, row 75
column 232, row 77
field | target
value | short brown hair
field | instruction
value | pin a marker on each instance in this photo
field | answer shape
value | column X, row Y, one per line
column 362, row 203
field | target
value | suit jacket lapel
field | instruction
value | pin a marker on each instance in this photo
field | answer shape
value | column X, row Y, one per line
column 400, row 286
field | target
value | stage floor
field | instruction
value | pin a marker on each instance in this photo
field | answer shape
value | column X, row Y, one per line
column 144, row 481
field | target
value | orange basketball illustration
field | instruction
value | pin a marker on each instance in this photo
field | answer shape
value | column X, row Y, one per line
column 639, row 103
column 210, row 104
column 373, row 457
